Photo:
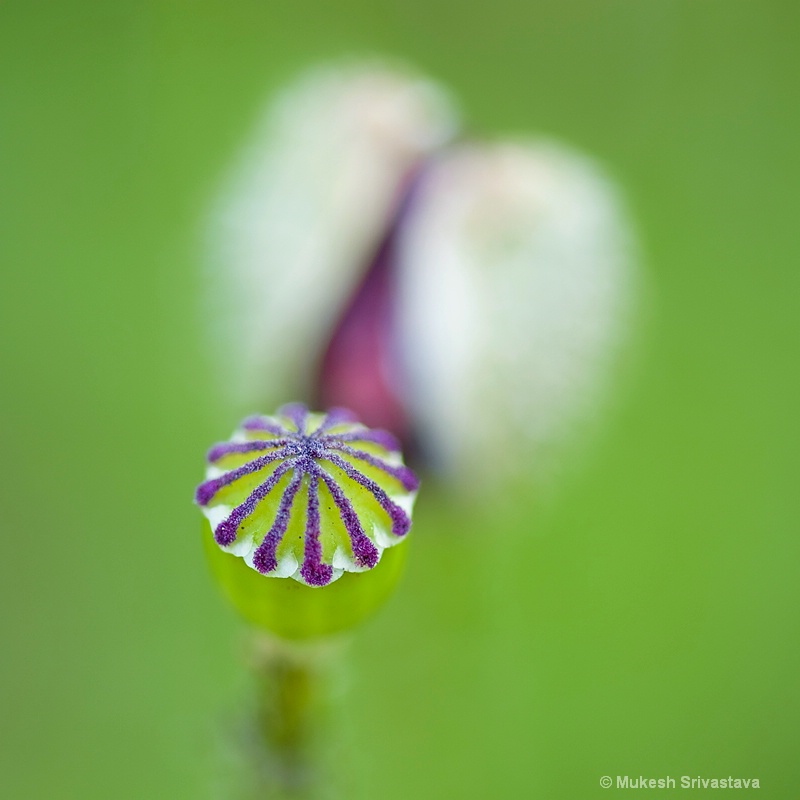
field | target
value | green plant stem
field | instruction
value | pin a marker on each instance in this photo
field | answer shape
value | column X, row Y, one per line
column 292, row 717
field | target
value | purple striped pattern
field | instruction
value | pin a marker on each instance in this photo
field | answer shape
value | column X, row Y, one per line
column 403, row 474
column 301, row 448
column 226, row 531
column 265, row 424
column 400, row 520
column 297, row 413
column 219, row 451
column 264, row 558
column 383, row 439
column 314, row 572
column 206, row 491
column 364, row 551
column 336, row 416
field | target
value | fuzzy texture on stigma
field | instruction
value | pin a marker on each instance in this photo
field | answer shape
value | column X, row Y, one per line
column 307, row 496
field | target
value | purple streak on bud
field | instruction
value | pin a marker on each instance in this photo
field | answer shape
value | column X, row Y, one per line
column 364, row 551
column 403, row 474
column 360, row 367
column 297, row 413
column 219, row 451
column 259, row 423
column 314, row 572
column 206, row 491
column 400, row 520
column 225, row 533
column 377, row 436
column 264, row 558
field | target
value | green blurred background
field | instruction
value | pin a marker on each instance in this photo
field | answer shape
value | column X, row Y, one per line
column 646, row 620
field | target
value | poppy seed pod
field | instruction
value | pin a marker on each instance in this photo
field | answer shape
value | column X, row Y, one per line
column 296, row 505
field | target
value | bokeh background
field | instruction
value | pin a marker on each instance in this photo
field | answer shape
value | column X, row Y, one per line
column 645, row 619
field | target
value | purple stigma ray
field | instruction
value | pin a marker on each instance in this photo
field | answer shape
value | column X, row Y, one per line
column 336, row 416
column 377, row 436
column 297, row 413
column 219, row 451
column 259, row 423
column 400, row 520
column 314, row 572
column 364, row 551
column 264, row 558
column 226, row 531
column 403, row 474
column 207, row 490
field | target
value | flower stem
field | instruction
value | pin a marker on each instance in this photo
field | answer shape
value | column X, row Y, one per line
column 290, row 748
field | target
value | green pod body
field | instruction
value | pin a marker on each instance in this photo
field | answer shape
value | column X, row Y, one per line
column 292, row 610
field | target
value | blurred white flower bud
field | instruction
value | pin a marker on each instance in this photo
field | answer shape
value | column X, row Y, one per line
column 467, row 296
column 303, row 211
column 515, row 275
